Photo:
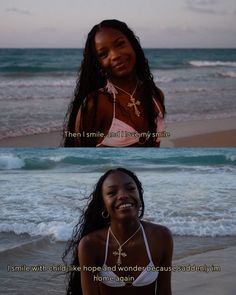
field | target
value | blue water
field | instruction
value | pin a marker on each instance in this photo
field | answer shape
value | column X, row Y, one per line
column 36, row 85
column 192, row 191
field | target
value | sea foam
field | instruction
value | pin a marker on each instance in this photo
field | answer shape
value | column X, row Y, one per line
column 206, row 63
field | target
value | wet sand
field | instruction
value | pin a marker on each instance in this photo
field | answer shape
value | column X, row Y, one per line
column 205, row 133
column 194, row 251
column 219, row 280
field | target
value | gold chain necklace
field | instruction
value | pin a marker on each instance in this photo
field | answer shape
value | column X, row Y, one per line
column 119, row 252
column 133, row 103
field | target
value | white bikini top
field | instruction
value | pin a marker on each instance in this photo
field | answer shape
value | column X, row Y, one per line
column 121, row 134
column 145, row 278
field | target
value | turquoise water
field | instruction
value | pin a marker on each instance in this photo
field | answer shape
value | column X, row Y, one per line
column 20, row 62
column 192, row 191
column 36, row 85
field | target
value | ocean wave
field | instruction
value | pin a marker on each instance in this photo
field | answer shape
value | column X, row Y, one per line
column 190, row 89
column 189, row 226
column 227, row 74
column 195, row 227
column 57, row 230
column 163, row 79
column 202, row 160
column 46, row 82
column 206, row 63
column 27, row 70
column 11, row 161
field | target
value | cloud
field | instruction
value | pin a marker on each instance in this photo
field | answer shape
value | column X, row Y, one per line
column 19, row 11
column 202, row 6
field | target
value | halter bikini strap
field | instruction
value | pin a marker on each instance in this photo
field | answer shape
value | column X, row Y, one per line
column 158, row 107
column 146, row 244
column 112, row 90
column 107, row 243
column 114, row 106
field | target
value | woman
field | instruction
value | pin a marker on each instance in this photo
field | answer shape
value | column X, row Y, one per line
column 116, row 101
column 116, row 251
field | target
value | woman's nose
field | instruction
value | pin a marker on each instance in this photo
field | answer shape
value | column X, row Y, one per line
column 122, row 195
column 114, row 55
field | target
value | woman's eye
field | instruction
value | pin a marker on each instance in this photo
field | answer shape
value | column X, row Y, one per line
column 131, row 188
column 102, row 54
column 111, row 193
column 120, row 43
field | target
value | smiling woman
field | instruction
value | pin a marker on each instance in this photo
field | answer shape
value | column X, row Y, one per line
column 116, row 99
column 129, row 252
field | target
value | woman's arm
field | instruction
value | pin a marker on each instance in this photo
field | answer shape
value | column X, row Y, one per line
column 87, row 259
column 85, row 122
column 164, row 278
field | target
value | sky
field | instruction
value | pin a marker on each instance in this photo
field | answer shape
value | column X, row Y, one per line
column 158, row 23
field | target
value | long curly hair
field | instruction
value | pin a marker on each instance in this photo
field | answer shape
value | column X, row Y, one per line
column 91, row 220
column 91, row 78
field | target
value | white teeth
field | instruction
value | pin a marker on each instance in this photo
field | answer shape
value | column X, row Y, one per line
column 125, row 206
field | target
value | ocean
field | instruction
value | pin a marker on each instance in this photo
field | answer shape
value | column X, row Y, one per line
column 36, row 86
column 191, row 191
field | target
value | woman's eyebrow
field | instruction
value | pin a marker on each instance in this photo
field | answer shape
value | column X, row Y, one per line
column 116, row 40
column 114, row 185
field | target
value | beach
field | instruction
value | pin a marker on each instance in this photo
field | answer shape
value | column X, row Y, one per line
column 37, row 85
column 204, row 133
column 37, row 269
column 43, row 191
column 210, row 282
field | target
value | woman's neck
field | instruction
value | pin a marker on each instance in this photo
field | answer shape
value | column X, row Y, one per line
column 128, row 83
column 124, row 230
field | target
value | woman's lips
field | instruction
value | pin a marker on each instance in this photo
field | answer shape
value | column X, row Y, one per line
column 126, row 205
column 119, row 66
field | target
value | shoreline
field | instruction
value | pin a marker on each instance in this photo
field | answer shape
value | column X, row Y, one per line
column 210, row 272
column 204, row 133
column 216, row 278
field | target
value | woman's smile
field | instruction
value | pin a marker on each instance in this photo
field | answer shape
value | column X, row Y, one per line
column 115, row 53
column 120, row 195
column 126, row 205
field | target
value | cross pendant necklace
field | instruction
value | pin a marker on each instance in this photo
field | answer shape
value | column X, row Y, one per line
column 119, row 253
column 133, row 103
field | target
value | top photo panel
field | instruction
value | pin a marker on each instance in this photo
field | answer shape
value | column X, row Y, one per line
column 119, row 80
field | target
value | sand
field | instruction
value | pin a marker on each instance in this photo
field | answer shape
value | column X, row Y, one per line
column 183, row 283
column 45, row 140
column 205, row 133
column 207, row 283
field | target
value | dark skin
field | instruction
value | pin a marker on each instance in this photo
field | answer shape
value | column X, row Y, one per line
column 119, row 189
column 118, row 59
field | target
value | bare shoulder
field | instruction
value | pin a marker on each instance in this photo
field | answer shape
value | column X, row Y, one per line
column 104, row 97
column 160, row 241
column 158, row 98
column 90, row 100
column 88, row 242
column 158, row 231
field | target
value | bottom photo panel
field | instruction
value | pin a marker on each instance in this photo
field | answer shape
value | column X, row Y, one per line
column 118, row 221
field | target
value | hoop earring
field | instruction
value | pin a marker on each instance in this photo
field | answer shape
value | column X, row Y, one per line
column 105, row 216
column 103, row 73
column 140, row 212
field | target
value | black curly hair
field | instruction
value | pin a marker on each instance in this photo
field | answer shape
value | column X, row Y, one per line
column 91, row 79
column 91, row 220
